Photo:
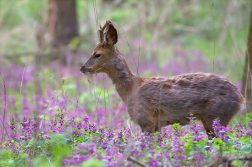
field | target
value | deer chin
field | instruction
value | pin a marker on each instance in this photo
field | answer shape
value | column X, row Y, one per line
column 88, row 73
column 85, row 70
column 90, row 78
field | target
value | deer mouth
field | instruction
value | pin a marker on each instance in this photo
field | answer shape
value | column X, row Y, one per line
column 86, row 70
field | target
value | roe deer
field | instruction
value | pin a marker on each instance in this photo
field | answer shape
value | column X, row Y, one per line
column 155, row 102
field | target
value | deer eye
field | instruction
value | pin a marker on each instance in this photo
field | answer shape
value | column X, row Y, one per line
column 97, row 55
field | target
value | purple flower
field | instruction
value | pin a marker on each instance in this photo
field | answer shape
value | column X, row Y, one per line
column 110, row 134
column 250, row 123
column 198, row 156
column 112, row 164
column 77, row 133
column 81, row 146
column 196, row 128
column 16, row 151
column 79, row 125
column 223, row 136
column 84, row 157
column 249, row 132
column 61, row 122
column 226, row 129
column 109, row 158
column 92, row 128
column 209, row 148
column 216, row 122
column 181, row 157
column 199, row 137
column 12, row 127
column 179, row 149
column 153, row 162
column 25, row 123
column 12, row 134
column 2, row 147
column 47, row 137
column 85, row 119
column 92, row 148
column 216, row 127
column 162, row 144
column 104, row 144
column 120, row 134
column 142, row 145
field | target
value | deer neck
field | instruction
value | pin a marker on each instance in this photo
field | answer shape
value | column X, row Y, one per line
column 121, row 76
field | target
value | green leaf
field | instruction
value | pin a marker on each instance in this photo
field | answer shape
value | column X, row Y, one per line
column 202, row 142
column 246, row 148
column 175, row 125
column 5, row 154
column 80, row 139
column 93, row 163
column 218, row 141
column 229, row 142
column 245, row 138
column 75, row 42
column 230, row 134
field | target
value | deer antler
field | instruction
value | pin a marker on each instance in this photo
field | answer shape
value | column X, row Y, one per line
column 101, row 30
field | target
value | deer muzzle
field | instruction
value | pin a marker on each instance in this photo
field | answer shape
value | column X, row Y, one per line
column 85, row 70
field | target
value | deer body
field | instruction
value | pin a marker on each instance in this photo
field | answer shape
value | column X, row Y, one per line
column 155, row 102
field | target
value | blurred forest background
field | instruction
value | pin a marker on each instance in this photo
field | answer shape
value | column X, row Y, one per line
column 50, row 110
column 156, row 37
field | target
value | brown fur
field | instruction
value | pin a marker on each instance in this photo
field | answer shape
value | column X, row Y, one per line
column 159, row 101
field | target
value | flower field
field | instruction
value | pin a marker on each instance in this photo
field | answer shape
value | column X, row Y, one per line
column 53, row 115
column 71, row 122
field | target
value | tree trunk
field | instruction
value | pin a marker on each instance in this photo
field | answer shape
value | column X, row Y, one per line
column 247, row 84
column 62, row 24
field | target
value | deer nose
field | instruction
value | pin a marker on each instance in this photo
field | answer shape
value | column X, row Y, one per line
column 84, row 69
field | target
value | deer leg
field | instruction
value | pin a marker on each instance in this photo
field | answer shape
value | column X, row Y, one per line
column 158, row 127
column 146, row 125
column 225, row 119
column 208, row 125
column 160, row 124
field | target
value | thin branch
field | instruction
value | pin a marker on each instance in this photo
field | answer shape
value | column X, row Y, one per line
column 10, row 55
column 52, row 52
column 21, row 84
column 4, row 108
column 242, row 158
column 227, row 160
column 130, row 158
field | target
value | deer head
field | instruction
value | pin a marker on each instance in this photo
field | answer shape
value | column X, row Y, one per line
column 100, row 59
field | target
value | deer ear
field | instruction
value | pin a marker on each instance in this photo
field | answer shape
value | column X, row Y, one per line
column 111, row 34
